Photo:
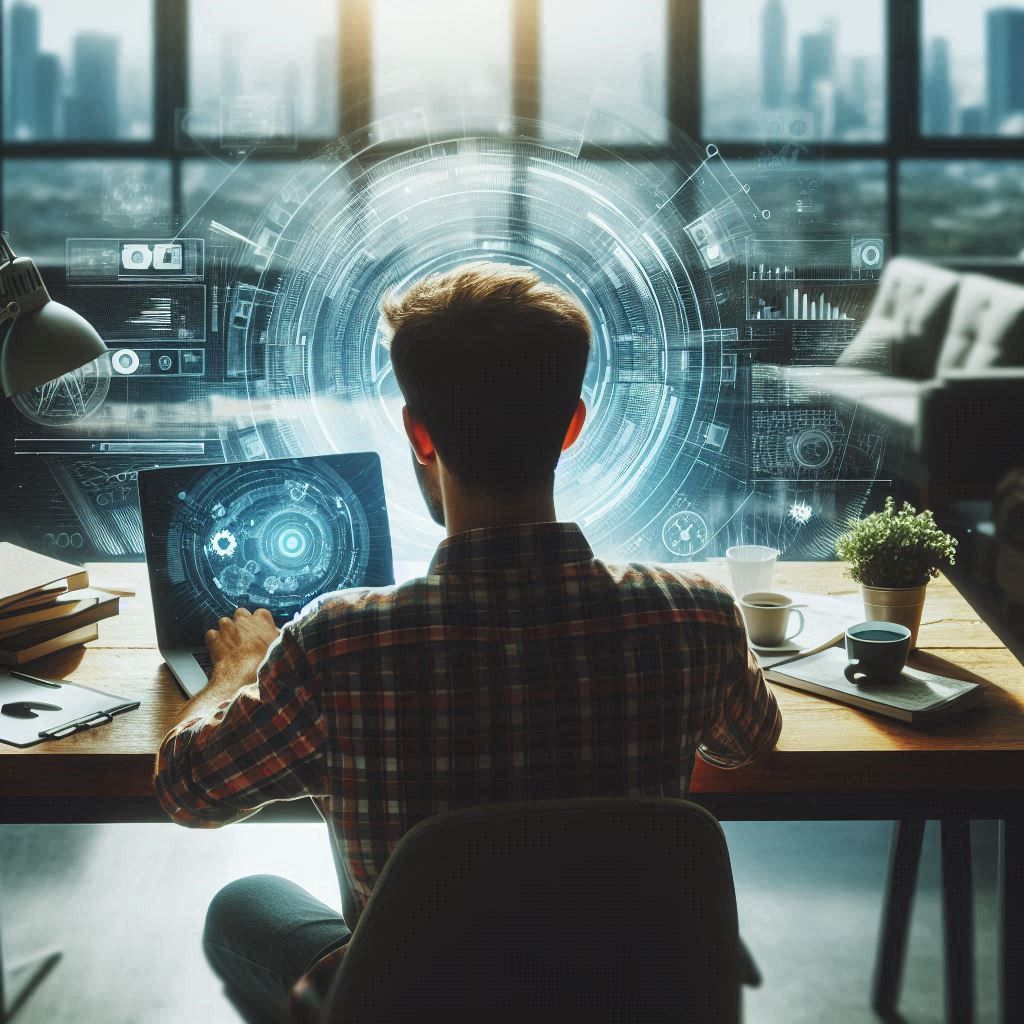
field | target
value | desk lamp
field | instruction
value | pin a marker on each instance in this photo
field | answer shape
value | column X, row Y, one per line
column 46, row 339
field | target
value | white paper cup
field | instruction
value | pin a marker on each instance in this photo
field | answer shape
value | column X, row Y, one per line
column 751, row 567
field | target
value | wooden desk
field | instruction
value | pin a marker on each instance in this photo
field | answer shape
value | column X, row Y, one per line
column 825, row 749
column 831, row 762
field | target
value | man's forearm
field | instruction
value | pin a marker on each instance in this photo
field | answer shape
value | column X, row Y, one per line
column 227, row 678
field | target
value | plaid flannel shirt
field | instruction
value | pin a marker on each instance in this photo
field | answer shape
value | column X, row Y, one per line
column 520, row 667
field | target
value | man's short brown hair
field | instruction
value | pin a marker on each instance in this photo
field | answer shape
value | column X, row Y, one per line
column 491, row 360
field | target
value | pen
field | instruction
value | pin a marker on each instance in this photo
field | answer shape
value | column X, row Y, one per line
column 34, row 679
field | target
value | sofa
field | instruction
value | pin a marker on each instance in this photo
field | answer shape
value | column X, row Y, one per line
column 938, row 366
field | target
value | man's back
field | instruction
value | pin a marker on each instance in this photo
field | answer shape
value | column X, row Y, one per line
column 519, row 668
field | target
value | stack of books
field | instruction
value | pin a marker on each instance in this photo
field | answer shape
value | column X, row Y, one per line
column 46, row 605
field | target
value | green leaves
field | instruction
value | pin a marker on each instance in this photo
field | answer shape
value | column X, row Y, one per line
column 896, row 549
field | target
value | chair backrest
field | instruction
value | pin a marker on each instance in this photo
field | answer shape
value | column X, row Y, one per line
column 593, row 910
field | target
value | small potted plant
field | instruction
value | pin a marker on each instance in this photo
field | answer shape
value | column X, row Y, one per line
column 893, row 555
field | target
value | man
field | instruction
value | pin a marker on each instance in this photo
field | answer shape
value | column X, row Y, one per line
column 520, row 667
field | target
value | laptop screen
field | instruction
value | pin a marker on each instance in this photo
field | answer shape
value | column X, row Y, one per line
column 272, row 535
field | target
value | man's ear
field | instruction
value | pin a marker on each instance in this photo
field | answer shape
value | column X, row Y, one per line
column 575, row 425
column 418, row 436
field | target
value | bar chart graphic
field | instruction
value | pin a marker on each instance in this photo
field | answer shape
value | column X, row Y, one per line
column 807, row 280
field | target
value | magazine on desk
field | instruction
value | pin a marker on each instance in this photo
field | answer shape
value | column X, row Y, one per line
column 826, row 620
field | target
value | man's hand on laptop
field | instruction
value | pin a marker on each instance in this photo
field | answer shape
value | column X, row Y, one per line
column 241, row 641
column 237, row 647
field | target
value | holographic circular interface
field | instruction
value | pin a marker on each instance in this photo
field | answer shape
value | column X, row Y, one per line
column 654, row 249
column 270, row 538
column 75, row 396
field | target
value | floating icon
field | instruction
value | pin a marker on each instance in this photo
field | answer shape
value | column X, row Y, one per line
column 223, row 543
column 867, row 255
column 125, row 361
column 167, row 256
column 136, row 256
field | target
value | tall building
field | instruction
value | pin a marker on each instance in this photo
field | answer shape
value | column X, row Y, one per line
column 651, row 82
column 22, row 51
column 938, row 90
column 325, row 85
column 94, row 84
column 817, row 64
column 852, row 104
column 48, row 98
column 232, row 82
column 973, row 120
column 1005, row 66
column 824, row 104
column 773, row 55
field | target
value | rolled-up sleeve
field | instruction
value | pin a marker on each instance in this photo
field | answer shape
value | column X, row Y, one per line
column 749, row 720
column 265, row 744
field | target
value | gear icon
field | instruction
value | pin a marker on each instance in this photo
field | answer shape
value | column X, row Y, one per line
column 223, row 543
column 800, row 512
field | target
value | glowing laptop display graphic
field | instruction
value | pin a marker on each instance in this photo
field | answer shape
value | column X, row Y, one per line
column 272, row 535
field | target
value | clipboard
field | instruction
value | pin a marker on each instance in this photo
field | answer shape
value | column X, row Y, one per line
column 33, row 710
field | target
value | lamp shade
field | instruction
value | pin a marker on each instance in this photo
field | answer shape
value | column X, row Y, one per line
column 44, row 344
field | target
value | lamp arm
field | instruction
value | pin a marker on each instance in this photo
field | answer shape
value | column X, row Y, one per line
column 9, row 312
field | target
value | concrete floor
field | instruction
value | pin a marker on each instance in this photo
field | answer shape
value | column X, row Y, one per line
column 126, row 904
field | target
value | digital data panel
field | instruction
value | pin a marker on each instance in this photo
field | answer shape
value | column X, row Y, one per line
column 251, row 331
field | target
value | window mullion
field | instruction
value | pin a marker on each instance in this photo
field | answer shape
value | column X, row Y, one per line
column 355, row 65
column 683, row 39
column 170, row 86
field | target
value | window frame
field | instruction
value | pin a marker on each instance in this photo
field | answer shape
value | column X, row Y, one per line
column 904, row 140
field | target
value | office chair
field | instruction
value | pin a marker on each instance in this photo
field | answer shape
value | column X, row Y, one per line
column 602, row 909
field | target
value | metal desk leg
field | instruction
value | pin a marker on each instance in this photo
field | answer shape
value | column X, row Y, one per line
column 958, row 918
column 19, row 981
column 1011, row 920
column 904, row 857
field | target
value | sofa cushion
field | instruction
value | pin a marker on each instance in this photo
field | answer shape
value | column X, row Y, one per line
column 905, row 325
column 986, row 327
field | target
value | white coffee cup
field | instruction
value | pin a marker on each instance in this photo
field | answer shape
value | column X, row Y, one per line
column 751, row 567
column 767, row 617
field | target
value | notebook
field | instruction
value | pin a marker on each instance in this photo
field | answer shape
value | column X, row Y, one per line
column 917, row 698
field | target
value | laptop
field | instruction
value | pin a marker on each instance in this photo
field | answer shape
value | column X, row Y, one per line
column 272, row 534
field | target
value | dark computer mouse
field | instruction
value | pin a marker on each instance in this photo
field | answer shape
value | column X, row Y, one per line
column 27, row 708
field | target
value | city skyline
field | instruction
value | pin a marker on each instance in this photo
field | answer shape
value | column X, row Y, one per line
column 821, row 60
column 265, row 49
column 993, row 105
column 69, row 84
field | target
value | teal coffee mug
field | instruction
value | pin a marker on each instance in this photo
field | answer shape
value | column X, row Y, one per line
column 877, row 652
